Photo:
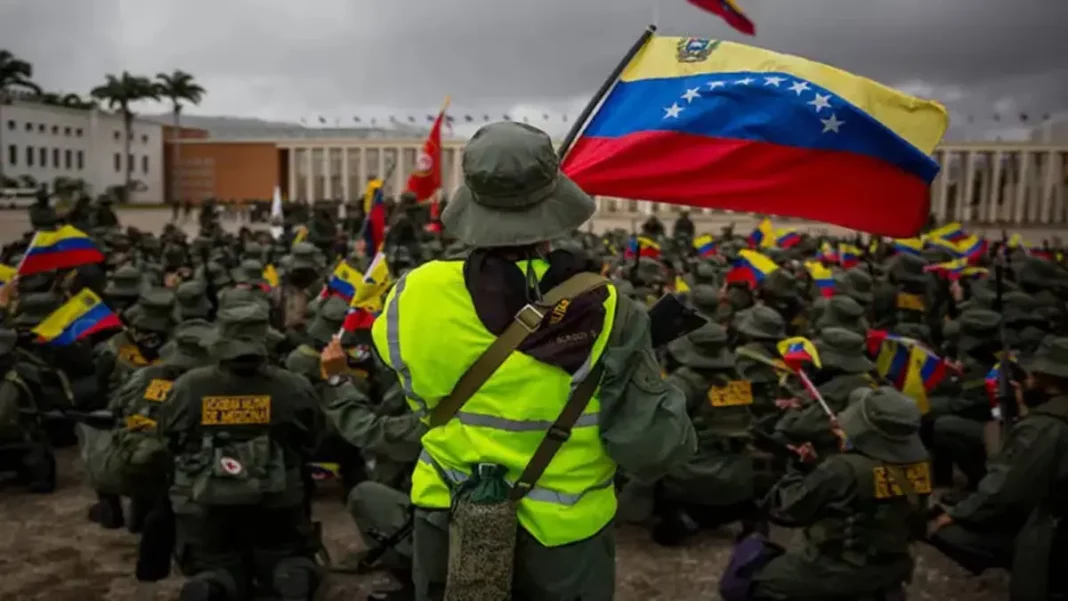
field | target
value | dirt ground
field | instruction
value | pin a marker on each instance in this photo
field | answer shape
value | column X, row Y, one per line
column 50, row 552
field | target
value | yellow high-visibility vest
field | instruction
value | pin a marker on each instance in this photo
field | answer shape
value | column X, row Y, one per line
column 429, row 334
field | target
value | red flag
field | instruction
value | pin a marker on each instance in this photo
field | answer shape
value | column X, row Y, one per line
column 426, row 179
column 729, row 12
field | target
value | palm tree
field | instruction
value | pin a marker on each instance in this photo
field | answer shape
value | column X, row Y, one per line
column 14, row 73
column 178, row 86
column 119, row 93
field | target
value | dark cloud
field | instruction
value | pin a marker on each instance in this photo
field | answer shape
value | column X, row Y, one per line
column 286, row 60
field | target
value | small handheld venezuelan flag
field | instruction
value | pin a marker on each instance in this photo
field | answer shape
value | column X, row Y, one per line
column 705, row 246
column 80, row 317
column 751, row 268
column 342, row 282
column 956, row 269
column 642, row 246
column 60, row 249
column 763, row 236
column 366, row 304
column 798, row 352
column 787, row 238
column 848, row 256
column 822, row 276
column 728, row 11
column 7, row 274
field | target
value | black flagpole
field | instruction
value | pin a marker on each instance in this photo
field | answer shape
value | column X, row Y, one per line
column 580, row 122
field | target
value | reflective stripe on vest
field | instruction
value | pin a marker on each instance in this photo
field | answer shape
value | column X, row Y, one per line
column 430, row 336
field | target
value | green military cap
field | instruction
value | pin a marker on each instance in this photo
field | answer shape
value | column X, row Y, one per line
column 919, row 331
column 231, row 297
column 707, row 272
column 907, row 267
column 174, row 253
column 218, row 275
column 253, row 250
column 857, row 284
column 842, row 349
column 1036, row 272
column 192, row 299
column 884, row 425
column 760, row 323
column 842, row 312
column 705, row 299
column 649, row 272
column 1020, row 307
column 780, row 284
column 241, row 330
column 35, row 308
column 190, row 344
column 704, row 348
column 977, row 328
column 513, row 192
column 126, row 282
column 250, row 271
column 155, row 311
column 150, row 243
column 306, row 256
column 982, row 297
column 1050, row 358
column 328, row 319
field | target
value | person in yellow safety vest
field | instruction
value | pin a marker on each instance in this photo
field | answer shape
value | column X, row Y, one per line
column 562, row 328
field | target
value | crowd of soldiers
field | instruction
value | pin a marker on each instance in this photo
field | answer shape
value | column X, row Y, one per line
column 225, row 394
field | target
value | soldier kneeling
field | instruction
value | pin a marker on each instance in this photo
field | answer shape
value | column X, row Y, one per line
column 240, row 432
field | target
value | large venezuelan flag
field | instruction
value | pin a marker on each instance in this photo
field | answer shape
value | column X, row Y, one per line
column 60, row 249
column 81, row 316
column 724, row 125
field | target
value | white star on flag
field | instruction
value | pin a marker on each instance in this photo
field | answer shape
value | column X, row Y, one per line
column 773, row 81
column 712, row 85
column 821, row 102
column 672, row 112
column 691, row 94
column 799, row 86
column 745, row 82
column 832, row 124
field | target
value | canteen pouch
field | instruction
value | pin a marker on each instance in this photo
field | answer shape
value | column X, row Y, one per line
column 750, row 555
column 482, row 536
column 227, row 472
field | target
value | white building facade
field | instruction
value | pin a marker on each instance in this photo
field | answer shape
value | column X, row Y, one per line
column 45, row 142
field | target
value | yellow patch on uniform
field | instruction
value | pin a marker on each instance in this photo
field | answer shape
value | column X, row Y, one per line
column 157, row 390
column 139, row 422
column 131, row 354
column 917, row 473
column 235, row 410
column 559, row 311
column 736, row 393
column 910, row 302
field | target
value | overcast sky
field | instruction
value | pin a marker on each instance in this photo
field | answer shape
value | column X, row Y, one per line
column 293, row 59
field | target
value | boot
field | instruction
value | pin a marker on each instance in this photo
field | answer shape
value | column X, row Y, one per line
column 674, row 528
column 200, row 589
column 107, row 511
column 295, row 579
column 139, row 509
column 41, row 471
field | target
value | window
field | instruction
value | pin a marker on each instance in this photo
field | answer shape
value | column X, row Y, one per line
column 11, row 124
column 81, row 159
column 67, row 155
column 29, row 127
column 144, row 164
column 78, row 132
column 118, row 162
column 12, row 155
column 66, row 131
column 144, row 139
column 29, row 156
column 44, row 157
column 55, row 158
column 40, row 128
column 129, row 162
column 55, row 130
column 118, row 135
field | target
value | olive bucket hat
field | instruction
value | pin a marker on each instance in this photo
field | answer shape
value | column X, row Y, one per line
column 977, row 328
column 704, row 348
column 760, row 323
column 328, row 319
column 843, row 349
column 514, row 193
column 843, row 312
column 154, row 311
column 241, row 330
column 35, row 308
column 856, row 284
column 193, row 302
column 190, row 344
column 884, row 425
column 124, row 283
column 1050, row 358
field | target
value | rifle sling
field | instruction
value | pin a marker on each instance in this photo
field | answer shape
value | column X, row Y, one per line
column 526, row 322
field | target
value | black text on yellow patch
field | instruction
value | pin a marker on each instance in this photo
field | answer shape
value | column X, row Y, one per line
column 919, row 474
column 910, row 302
column 131, row 354
column 157, row 390
column 235, row 410
column 735, row 393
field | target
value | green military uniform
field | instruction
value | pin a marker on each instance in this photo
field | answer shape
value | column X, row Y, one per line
column 716, row 486
column 24, row 445
column 844, row 369
column 759, row 331
column 1015, row 518
column 240, row 432
column 301, row 285
column 960, row 407
column 1025, row 327
column 514, row 195
column 859, row 509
